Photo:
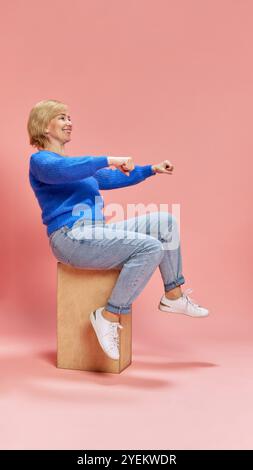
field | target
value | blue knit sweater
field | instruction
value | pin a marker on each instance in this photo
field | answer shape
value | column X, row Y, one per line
column 67, row 188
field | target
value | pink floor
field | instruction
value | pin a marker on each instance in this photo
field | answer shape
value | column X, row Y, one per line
column 194, row 396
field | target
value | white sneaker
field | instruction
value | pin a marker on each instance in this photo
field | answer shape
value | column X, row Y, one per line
column 183, row 305
column 107, row 333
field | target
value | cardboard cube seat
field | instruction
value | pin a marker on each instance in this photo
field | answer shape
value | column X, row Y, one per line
column 79, row 292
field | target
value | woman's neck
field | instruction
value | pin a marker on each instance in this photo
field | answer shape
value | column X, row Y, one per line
column 55, row 149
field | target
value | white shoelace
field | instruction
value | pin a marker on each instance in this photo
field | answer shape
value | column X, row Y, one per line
column 188, row 299
column 113, row 334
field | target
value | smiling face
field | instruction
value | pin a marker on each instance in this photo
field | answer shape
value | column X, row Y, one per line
column 59, row 128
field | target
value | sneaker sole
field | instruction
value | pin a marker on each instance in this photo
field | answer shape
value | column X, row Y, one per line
column 93, row 322
column 163, row 308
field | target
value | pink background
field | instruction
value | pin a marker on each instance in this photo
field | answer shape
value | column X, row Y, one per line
column 154, row 80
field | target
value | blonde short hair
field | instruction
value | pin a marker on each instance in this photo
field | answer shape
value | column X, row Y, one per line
column 39, row 118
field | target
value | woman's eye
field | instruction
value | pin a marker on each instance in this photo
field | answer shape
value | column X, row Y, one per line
column 64, row 118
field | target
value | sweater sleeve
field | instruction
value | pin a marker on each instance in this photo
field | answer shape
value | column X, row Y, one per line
column 51, row 169
column 112, row 179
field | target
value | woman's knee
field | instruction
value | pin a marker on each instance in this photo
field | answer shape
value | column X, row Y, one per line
column 153, row 247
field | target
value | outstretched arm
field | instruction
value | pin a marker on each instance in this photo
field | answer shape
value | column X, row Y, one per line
column 112, row 179
column 56, row 169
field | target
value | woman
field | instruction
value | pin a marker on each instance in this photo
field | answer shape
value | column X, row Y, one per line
column 65, row 186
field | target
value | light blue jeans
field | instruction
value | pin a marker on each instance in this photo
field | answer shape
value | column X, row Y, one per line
column 135, row 245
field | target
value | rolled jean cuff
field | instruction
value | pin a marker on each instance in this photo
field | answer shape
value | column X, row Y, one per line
column 113, row 309
column 176, row 283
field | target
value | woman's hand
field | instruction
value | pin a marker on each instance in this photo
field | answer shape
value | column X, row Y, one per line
column 163, row 167
column 124, row 164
